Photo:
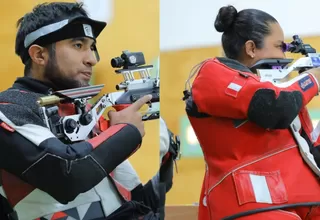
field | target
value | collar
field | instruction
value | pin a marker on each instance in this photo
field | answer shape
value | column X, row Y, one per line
column 234, row 64
column 32, row 85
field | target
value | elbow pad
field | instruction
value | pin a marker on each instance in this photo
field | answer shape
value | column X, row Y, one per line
column 272, row 112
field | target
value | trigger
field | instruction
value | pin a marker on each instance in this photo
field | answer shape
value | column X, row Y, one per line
column 120, row 107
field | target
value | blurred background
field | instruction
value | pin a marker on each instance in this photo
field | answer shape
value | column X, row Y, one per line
column 132, row 25
column 187, row 37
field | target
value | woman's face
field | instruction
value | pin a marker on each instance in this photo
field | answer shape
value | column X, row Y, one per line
column 272, row 47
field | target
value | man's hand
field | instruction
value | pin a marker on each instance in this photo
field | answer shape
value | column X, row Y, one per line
column 130, row 115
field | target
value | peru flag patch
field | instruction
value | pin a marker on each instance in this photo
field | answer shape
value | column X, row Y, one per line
column 235, row 86
column 260, row 187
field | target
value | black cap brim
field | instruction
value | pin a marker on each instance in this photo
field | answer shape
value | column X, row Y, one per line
column 96, row 25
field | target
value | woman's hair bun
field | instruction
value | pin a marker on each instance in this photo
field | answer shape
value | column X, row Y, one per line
column 225, row 18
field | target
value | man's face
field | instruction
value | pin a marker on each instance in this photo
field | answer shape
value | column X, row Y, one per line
column 70, row 64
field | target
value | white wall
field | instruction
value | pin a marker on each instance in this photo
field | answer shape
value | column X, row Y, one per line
column 101, row 10
column 190, row 23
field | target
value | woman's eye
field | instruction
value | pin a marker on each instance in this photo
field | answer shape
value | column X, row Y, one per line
column 283, row 47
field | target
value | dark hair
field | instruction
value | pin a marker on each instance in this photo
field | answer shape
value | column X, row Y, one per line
column 42, row 15
column 237, row 28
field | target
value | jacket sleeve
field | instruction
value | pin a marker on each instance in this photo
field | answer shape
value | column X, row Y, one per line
column 148, row 193
column 30, row 151
column 224, row 92
column 153, row 193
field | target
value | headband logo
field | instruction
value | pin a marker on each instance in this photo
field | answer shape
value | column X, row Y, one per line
column 87, row 30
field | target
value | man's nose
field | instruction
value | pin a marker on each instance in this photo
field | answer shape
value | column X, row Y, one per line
column 90, row 59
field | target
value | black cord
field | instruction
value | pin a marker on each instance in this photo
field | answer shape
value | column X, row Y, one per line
column 255, row 211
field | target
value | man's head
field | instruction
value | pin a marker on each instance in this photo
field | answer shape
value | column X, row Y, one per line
column 249, row 35
column 57, row 44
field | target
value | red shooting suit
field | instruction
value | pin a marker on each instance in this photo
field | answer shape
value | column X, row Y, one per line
column 252, row 159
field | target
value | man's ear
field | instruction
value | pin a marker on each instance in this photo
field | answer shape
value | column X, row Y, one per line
column 250, row 48
column 38, row 54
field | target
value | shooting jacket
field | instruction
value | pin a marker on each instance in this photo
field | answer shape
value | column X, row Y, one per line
column 43, row 176
column 242, row 124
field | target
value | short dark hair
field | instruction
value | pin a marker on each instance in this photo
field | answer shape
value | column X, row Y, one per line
column 42, row 15
column 237, row 28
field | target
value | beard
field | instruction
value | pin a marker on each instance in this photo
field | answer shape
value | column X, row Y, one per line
column 59, row 80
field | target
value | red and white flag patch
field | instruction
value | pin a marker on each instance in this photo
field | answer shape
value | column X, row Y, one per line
column 260, row 187
column 235, row 86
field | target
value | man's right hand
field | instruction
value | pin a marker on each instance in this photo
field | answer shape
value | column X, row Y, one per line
column 130, row 115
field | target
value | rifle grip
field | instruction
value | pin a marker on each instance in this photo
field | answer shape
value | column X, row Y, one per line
column 104, row 124
column 120, row 107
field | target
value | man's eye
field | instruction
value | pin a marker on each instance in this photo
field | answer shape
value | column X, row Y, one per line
column 79, row 46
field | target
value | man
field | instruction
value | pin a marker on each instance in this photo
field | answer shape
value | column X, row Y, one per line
column 43, row 177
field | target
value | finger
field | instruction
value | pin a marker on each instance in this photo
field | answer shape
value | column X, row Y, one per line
column 110, row 113
column 140, row 102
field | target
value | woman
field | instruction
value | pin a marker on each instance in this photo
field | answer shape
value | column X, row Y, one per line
column 243, row 126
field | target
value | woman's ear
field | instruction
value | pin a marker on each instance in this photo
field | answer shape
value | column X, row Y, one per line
column 250, row 48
